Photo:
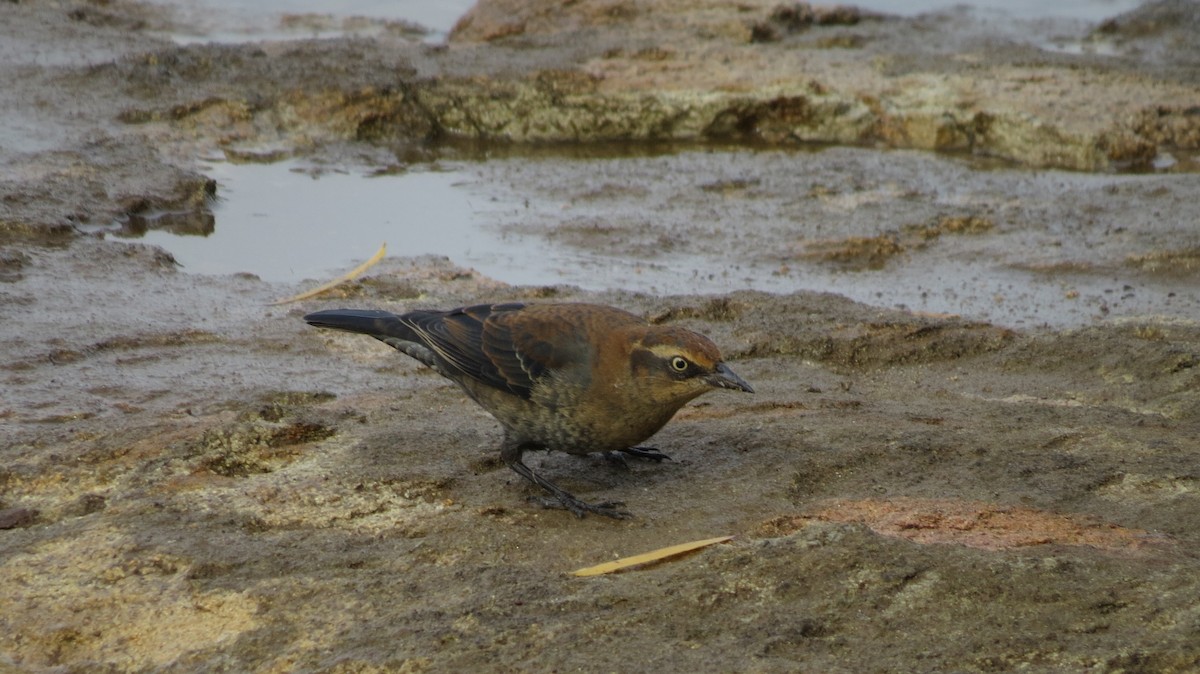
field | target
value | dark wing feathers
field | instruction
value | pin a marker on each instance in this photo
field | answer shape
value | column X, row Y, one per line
column 498, row 344
column 455, row 337
column 498, row 350
column 486, row 341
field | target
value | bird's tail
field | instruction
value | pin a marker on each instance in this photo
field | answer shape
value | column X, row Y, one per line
column 395, row 331
column 378, row 324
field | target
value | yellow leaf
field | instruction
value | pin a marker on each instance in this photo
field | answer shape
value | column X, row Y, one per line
column 647, row 557
column 353, row 273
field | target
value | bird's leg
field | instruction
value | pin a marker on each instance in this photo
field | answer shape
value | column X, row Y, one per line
column 511, row 453
column 648, row 453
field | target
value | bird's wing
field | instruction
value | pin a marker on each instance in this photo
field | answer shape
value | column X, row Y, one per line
column 499, row 344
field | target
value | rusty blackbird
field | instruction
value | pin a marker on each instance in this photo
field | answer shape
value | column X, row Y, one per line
column 572, row 377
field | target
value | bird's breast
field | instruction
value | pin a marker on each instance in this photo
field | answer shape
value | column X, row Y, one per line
column 572, row 419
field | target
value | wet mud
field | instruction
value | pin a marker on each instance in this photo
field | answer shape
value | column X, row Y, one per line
column 193, row 479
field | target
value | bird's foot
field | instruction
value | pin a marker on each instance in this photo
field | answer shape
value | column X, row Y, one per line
column 565, row 501
column 648, row 453
column 616, row 460
column 561, row 499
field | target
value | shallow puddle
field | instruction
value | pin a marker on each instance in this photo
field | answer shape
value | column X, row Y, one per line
column 288, row 222
column 1091, row 10
column 885, row 228
column 231, row 21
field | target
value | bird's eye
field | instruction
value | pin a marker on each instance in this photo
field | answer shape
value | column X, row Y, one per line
column 679, row 364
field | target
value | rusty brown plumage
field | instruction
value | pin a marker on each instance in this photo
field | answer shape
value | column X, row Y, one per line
column 576, row 378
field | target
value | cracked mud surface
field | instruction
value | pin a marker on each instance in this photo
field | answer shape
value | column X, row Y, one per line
column 192, row 479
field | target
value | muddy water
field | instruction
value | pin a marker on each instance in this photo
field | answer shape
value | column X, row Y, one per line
column 232, row 21
column 290, row 222
column 1071, row 249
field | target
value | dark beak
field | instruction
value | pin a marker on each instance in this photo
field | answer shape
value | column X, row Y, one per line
column 723, row 377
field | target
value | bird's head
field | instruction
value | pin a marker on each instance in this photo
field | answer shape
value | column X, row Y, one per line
column 678, row 364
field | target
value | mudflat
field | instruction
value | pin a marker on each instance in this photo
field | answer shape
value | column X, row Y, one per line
column 192, row 479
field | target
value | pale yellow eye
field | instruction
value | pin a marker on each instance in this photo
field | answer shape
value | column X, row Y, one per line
column 679, row 364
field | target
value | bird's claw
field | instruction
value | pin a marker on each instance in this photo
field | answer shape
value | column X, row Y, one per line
column 648, row 453
column 616, row 460
column 580, row 508
column 617, row 457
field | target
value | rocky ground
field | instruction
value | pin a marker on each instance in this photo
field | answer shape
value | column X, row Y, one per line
column 192, row 479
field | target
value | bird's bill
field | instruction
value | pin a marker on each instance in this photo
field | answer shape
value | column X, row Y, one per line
column 725, row 378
